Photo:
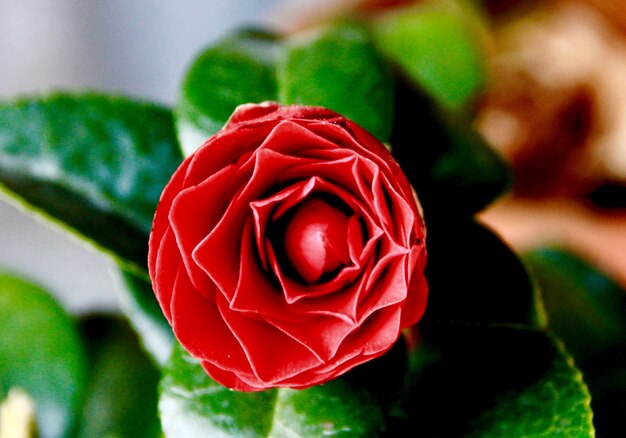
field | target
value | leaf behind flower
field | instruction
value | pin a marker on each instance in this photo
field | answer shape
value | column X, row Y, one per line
column 192, row 404
column 139, row 305
column 588, row 311
column 475, row 278
column 435, row 44
column 467, row 380
column 336, row 67
column 91, row 164
column 236, row 70
column 121, row 396
column 41, row 353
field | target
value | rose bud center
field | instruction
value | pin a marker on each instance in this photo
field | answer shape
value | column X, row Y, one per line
column 316, row 239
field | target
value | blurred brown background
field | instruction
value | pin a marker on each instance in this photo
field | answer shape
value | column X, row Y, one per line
column 554, row 107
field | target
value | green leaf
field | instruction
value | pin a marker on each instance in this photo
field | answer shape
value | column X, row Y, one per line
column 40, row 353
column 469, row 166
column 239, row 69
column 337, row 408
column 475, row 278
column 94, row 164
column 491, row 381
column 436, row 47
column 468, row 380
column 338, row 68
column 192, row 404
column 588, row 311
column 140, row 306
column 121, row 396
column 456, row 172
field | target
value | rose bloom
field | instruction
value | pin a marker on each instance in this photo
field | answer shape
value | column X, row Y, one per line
column 288, row 249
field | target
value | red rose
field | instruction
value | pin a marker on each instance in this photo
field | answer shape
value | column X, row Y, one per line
column 288, row 249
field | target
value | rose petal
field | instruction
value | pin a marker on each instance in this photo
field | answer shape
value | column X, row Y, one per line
column 349, row 134
column 322, row 335
column 374, row 336
column 302, row 320
column 386, row 284
column 366, row 342
column 415, row 304
column 193, row 214
column 235, row 306
column 168, row 263
column 161, row 220
column 286, row 358
column 256, row 294
column 295, row 291
column 250, row 111
column 231, row 379
column 250, row 114
column 369, row 148
column 214, row 254
column 338, row 135
column 346, row 172
column 223, row 149
column 290, row 138
column 266, row 210
column 199, row 326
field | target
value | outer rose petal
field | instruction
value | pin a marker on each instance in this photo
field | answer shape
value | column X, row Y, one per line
column 193, row 315
column 161, row 221
column 415, row 304
column 229, row 378
column 165, row 272
column 224, row 280
column 193, row 214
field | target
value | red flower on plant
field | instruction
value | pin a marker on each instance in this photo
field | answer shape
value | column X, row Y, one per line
column 288, row 249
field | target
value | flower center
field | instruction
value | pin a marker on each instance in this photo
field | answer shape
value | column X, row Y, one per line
column 316, row 239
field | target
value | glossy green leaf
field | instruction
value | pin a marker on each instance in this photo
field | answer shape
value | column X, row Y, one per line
column 338, row 68
column 475, row 278
column 138, row 303
column 94, row 164
column 121, row 397
column 463, row 380
column 452, row 168
column 192, row 404
column 436, row 47
column 239, row 69
column 588, row 311
column 336, row 408
column 41, row 353
column 468, row 380
column 584, row 307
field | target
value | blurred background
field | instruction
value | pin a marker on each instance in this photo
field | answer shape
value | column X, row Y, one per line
column 137, row 48
column 554, row 106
